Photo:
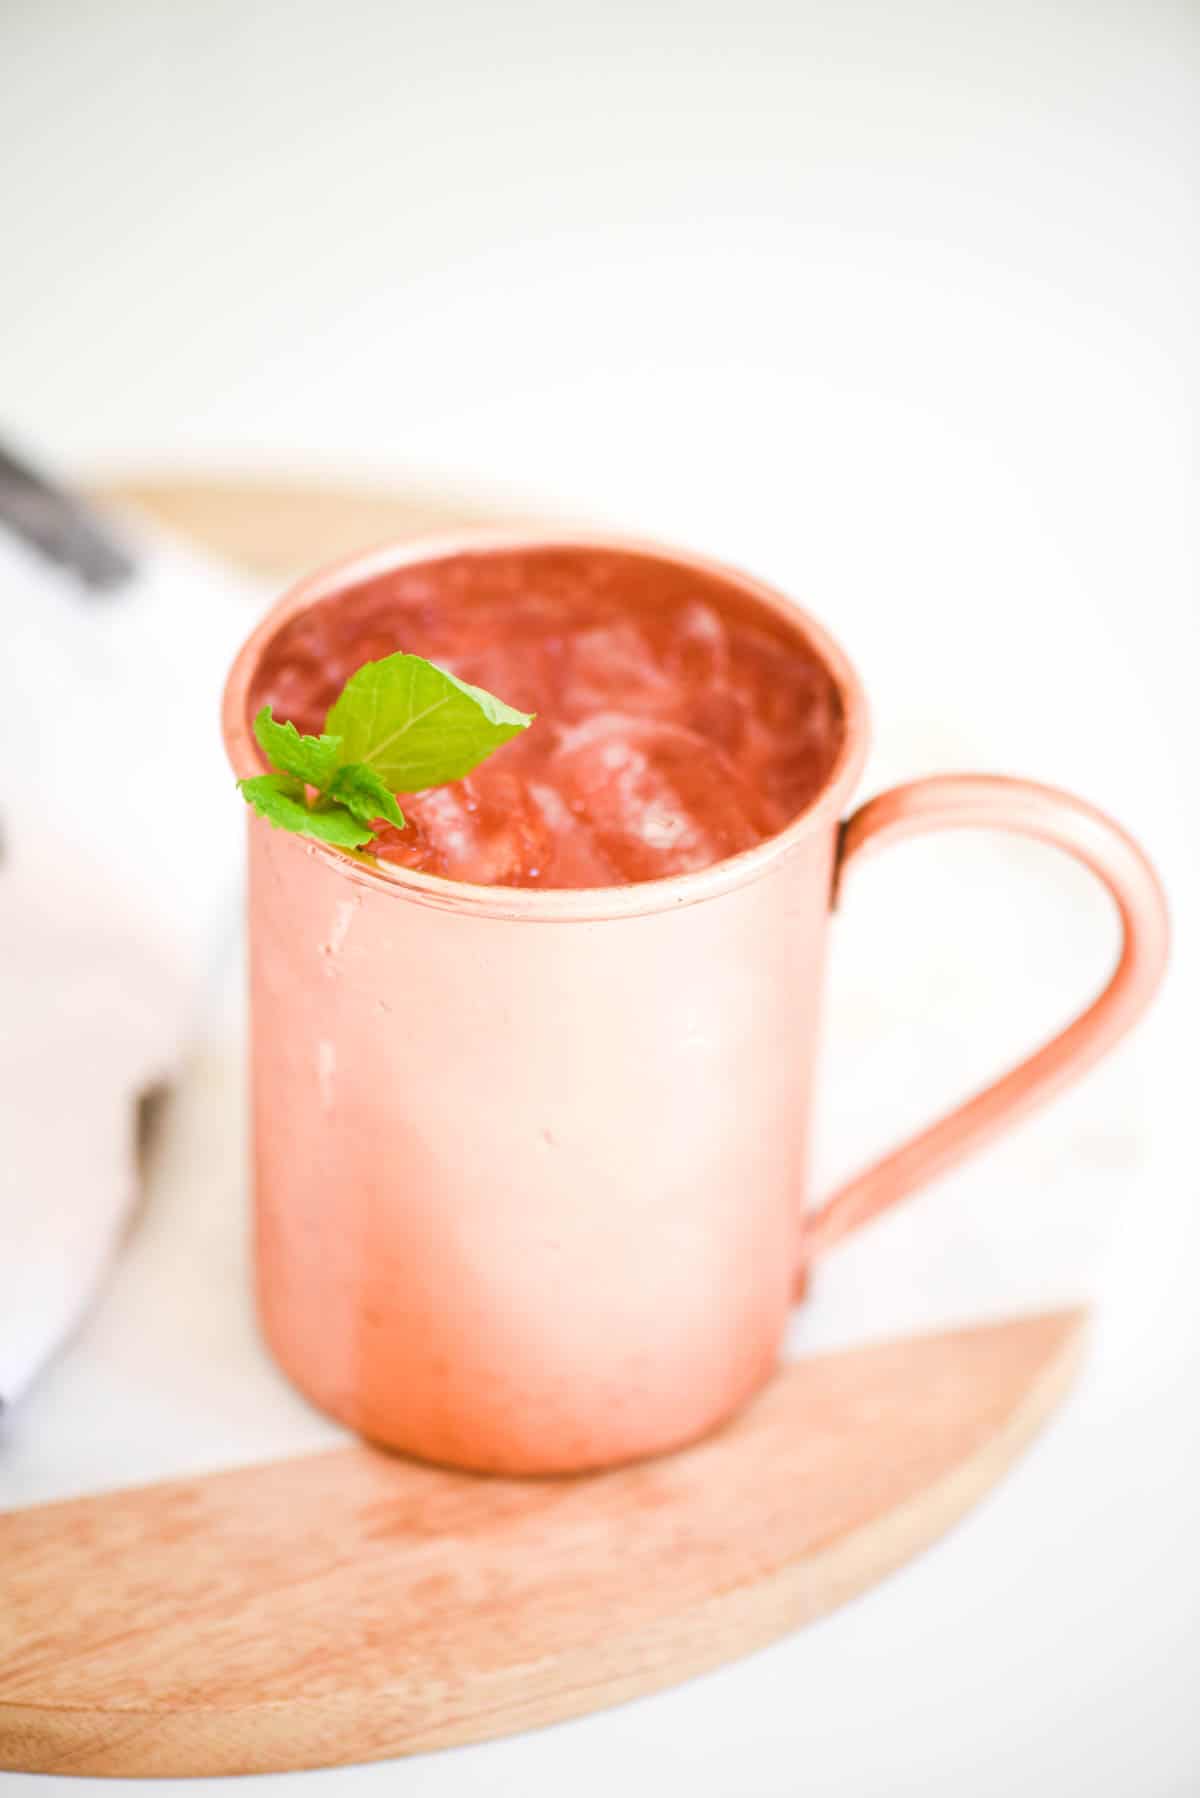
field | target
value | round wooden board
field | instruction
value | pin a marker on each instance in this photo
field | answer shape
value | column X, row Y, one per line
column 350, row 1606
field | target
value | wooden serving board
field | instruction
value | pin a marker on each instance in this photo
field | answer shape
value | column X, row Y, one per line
column 351, row 1605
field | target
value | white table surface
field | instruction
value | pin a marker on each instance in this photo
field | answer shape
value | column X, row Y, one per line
column 894, row 305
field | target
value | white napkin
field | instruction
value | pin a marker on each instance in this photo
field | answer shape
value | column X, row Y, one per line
column 118, row 884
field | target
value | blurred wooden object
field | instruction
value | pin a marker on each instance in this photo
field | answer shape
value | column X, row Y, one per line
column 276, row 528
column 349, row 1606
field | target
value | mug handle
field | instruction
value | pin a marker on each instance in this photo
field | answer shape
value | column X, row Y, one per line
column 981, row 801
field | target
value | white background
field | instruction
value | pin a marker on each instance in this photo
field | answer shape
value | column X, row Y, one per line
column 895, row 305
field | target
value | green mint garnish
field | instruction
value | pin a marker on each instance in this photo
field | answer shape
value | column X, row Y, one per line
column 398, row 726
column 281, row 801
column 312, row 759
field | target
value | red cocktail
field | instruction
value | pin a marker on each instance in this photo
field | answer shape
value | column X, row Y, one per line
column 531, row 1141
column 671, row 731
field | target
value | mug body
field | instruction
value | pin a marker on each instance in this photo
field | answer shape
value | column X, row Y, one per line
column 529, row 1165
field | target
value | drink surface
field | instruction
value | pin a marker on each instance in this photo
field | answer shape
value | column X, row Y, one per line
column 674, row 727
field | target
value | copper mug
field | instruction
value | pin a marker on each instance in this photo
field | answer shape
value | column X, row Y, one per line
column 530, row 1165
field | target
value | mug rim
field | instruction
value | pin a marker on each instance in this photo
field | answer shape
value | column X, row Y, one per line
column 667, row 893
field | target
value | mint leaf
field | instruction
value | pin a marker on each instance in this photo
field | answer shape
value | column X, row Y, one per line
column 310, row 759
column 279, row 798
column 399, row 725
column 365, row 794
column 417, row 726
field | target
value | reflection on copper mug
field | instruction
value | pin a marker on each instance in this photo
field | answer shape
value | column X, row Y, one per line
column 530, row 1165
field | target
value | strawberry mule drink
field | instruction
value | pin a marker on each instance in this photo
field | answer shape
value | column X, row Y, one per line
column 533, row 1048
column 670, row 731
column 530, row 1073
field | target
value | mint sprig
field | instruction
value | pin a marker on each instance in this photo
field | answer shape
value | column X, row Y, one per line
column 399, row 725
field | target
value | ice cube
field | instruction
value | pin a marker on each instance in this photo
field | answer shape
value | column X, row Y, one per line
column 489, row 832
column 412, row 847
column 576, row 858
column 614, row 666
column 697, row 649
column 657, row 797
